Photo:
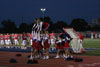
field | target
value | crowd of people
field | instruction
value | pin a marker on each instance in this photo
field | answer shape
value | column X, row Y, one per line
column 95, row 35
column 8, row 40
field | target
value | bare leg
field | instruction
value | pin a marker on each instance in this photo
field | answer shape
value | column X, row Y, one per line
column 58, row 52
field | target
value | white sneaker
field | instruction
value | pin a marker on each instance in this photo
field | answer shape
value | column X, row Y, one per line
column 71, row 56
column 31, row 57
column 66, row 56
column 44, row 57
column 37, row 56
column 47, row 57
column 57, row 57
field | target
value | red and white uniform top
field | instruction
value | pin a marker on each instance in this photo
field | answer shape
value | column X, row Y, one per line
column 30, row 36
column 52, row 35
column 9, row 37
column 1, row 37
column 46, row 37
column 6, row 37
column 24, row 37
column 15, row 36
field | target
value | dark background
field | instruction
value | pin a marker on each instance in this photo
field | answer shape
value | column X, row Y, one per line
column 24, row 11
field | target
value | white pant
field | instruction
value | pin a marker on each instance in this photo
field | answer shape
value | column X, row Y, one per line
column 52, row 41
column 16, row 42
column 24, row 42
column 6, row 42
column 31, row 41
column 9, row 42
column 2, row 42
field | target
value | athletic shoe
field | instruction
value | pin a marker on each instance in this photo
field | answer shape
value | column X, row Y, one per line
column 57, row 57
column 44, row 58
column 31, row 57
column 47, row 57
column 66, row 56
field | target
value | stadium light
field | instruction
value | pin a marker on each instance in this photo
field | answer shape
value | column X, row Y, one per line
column 43, row 10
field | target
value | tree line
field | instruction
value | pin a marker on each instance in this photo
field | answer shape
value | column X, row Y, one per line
column 78, row 24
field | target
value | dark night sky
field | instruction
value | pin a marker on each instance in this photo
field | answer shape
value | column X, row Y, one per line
column 58, row 10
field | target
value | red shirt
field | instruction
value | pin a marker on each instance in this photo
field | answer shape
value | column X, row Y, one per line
column 1, row 37
column 15, row 36
column 9, row 36
column 6, row 37
column 24, row 36
column 30, row 36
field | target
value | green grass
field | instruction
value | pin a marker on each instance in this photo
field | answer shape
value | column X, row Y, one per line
column 91, row 43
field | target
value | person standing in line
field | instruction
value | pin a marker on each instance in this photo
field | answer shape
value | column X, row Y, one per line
column 24, row 40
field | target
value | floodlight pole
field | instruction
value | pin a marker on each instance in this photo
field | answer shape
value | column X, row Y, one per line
column 43, row 10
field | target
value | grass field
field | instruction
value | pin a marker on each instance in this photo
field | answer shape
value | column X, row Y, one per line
column 91, row 43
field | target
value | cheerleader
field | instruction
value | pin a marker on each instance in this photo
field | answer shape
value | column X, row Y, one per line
column 2, row 39
column 46, row 44
column 16, row 39
column 6, row 39
column 52, row 41
column 37, row 46
column 33, row 49
column 59, row 47
column 24, row 40
column 30, row 38
column 65, row 42
column 9, row 39
column 40, row 47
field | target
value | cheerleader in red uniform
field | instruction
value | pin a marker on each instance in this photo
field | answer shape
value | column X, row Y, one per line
column 9, row 39
column 34, row 37
column 37, row 46
column 6, row 40
column 65, row 42
column 24, row 40
column 30, row 38
column 16, row 39
column 1, row 39
column 59, row 46
column 46, row 45
column 52, row 41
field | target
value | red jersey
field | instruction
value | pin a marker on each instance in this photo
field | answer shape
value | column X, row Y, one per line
column 9, row 36
column 6, row 37
column 24, row 36
column 1, row 37
column 15, row 36
column 52, row 35
column 30, row 36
